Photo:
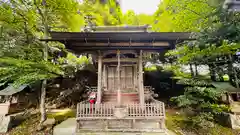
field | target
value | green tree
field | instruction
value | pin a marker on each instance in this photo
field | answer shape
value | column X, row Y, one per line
column 24, row 59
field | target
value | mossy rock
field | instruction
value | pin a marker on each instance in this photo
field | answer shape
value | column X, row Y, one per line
column 61, row 115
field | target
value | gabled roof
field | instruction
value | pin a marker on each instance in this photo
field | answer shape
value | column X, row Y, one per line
column 225, row 86
column 92, row 41
column 11, row 90
column 114, row 37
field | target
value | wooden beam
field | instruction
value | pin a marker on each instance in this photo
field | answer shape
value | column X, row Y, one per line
column 122, row 52
column 122, row 60
column 124, row 36
column 121, row 44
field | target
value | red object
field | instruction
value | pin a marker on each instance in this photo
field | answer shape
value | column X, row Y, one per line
column 91, row 101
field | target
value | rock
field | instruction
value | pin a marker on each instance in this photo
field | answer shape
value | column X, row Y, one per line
column 234, row 121
column 53, row 106
column 49, row 122
column 5, row 122
column 155, row 95
column 39, row 128
column 177, row 113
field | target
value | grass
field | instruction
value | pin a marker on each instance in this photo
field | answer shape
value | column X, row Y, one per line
column 178, row 123
column 174, row 122
column 29, row 126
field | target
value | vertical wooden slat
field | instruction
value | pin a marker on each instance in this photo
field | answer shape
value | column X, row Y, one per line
column 156, row 112
column 163, row 108
column 88, row 106
column 78, row 110
column 85, row 110
column 152, row 109
column 148, row 110
column 136, row 109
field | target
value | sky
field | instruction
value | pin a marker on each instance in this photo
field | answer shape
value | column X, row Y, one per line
column 140, row 6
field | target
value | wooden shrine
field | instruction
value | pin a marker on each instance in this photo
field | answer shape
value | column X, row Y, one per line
column 119, row 56
column 12, row 100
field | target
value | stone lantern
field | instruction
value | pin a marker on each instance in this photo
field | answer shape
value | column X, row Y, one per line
column 232, row 5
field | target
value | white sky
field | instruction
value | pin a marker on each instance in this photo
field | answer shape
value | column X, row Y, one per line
column 140, row 6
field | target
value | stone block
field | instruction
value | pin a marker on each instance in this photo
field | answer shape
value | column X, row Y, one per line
column 5, row 122
column 120, row 112
column 234, row 121
column 67, row 127
column 49, row 122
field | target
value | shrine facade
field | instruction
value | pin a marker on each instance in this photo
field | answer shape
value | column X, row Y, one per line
column 118, row 53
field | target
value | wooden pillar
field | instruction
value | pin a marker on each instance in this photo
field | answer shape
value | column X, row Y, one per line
column 99, row 87
column 104, row 77
column 118, row 79
column 140, row 79
column 135, row 77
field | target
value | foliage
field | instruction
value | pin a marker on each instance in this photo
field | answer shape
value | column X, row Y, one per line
column 187, row 15
column 130, row 18
column 25, row 71
column 199, row 125
column 22, row 53
column 176, row 69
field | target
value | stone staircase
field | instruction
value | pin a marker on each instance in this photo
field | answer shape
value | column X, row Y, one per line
column 126, row 98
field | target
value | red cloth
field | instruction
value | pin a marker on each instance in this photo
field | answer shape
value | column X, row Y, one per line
column 92, row 101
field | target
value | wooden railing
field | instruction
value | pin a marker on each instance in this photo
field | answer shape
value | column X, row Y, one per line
column 94, row 110
column 146, row 111
column 133, row 111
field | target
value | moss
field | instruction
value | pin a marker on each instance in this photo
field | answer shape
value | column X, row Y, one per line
column 62, row 115
column 29, row 126
column 151, row 68
column 178, row 122
column 173, row 122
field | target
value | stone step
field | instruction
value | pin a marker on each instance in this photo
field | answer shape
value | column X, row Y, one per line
column 123, row 99
column 122, row 94
column 68, row 127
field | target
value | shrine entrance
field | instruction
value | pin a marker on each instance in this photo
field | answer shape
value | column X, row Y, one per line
column 127, row 78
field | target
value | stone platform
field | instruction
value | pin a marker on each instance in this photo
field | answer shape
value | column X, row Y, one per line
column 68, row 127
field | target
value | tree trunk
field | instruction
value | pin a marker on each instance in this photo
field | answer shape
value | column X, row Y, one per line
column 196, row 69
column 45, row 57
column 42, row 102
column 212, row 72
column 191, row 69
